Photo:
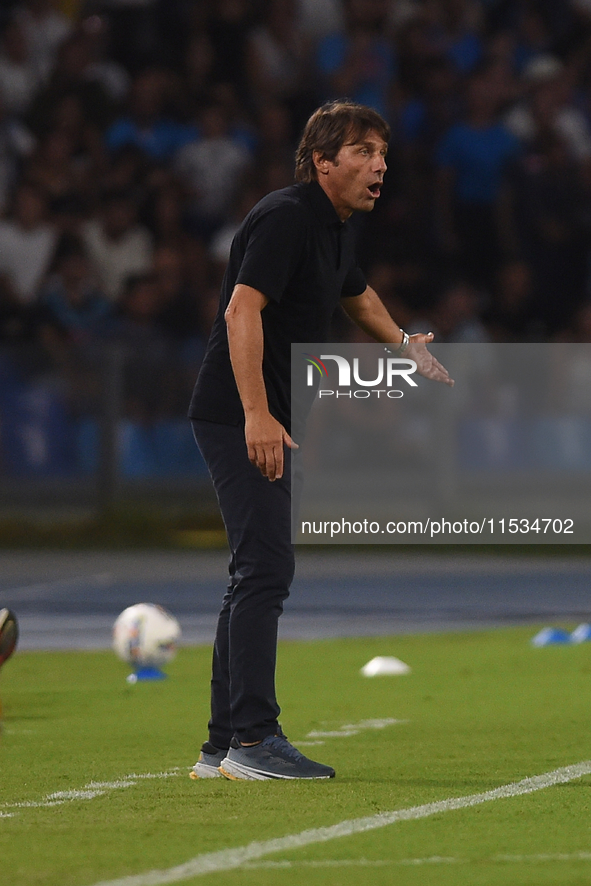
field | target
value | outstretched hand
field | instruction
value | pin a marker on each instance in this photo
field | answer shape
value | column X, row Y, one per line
column 427, row 365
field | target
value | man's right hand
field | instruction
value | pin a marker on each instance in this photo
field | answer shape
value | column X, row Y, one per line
column 265, row 438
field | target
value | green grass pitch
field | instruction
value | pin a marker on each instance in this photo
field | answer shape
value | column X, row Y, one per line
column 479, row 710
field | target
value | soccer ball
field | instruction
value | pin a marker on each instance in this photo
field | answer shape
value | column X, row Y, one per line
column 145, row 635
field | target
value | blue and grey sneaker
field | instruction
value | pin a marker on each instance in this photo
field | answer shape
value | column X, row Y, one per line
column 273, row 757
column 207, row 766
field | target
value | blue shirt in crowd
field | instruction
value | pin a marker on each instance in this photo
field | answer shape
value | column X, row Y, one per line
column 380, row 68
column 160, row 141
column 479, row 157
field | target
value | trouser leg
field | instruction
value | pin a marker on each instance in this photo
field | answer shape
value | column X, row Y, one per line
column 257, row 516
column 220, row 724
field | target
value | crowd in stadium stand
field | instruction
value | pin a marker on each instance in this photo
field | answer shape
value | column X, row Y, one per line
column 136, row 134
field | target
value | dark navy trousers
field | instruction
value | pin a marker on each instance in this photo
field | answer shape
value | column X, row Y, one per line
column 257, row 517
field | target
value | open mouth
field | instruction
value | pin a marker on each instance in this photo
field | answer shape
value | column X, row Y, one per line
column 374, row 189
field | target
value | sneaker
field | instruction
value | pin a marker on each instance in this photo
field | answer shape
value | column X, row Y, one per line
column 207, row 766
column 273, row 757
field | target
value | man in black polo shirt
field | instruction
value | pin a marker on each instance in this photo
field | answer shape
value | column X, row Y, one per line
column 291, row 264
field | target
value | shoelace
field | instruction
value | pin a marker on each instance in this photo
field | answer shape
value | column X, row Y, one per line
column 280, row 743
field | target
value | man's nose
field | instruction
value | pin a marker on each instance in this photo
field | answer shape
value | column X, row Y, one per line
column 380, row 164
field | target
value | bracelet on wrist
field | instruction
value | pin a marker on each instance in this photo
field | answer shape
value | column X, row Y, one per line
column 403, row 344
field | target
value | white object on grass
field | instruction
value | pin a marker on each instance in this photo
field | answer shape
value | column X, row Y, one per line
column 550, row 637
column 384, row 665
column 581, row 634
column 145, row 635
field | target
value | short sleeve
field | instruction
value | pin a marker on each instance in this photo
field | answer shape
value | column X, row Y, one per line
column 274, row 247
column 354, row 283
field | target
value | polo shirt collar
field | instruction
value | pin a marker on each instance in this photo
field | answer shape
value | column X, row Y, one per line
column 321, row 204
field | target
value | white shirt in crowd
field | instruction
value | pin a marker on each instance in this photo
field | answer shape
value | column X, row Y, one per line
column 116, row 260
column 18, row 84
column 25, row 257
column 212, row 168
column 569, row 123
column 44, row 35
column 321, row 17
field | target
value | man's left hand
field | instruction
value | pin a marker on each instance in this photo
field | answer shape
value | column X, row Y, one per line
column 427, row 365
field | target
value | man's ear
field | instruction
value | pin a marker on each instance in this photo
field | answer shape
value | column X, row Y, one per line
column 321, row 162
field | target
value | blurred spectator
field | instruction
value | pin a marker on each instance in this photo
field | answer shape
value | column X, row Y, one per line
column 212, row 167
column 53, row 170
column 417, row 49
column 18, row 78
column 146, row 126
column 133, row 31
column 279, row 61
column 150, row 382
column 360, row 61
column 472, row 159
column 165, row 217
column 139, row 308
column 321, row 17
column 551, row 225
column 510, row 316
column 179, row 309
column 455, row 26
column 127, row 170
column 430, row 111
column 17, row 320
column 112, row 76
column 27, row 243
column 532, row 36
column 456, row 315
column 387, row 279
column 69, row 79
column 463, row 24
column 198, row 68
column 72, row 311
column 276, row 174
column 228, row 26
column 548, row 105
column 16, row 144
column 165, row 214
column 117, row 244
column 219, row 247
column 68, row 213
column 275, row 136
column 70, row 118
column 45, row 29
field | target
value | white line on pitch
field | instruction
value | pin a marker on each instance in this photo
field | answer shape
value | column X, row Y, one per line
column 229, row 859
column 88, row 792
column 347, row 730
column 349, row 863
column 542, row 858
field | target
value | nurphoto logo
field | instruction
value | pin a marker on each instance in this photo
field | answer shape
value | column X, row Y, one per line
column 388, row 370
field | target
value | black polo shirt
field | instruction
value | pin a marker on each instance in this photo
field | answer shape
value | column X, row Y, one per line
column 294, row 249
